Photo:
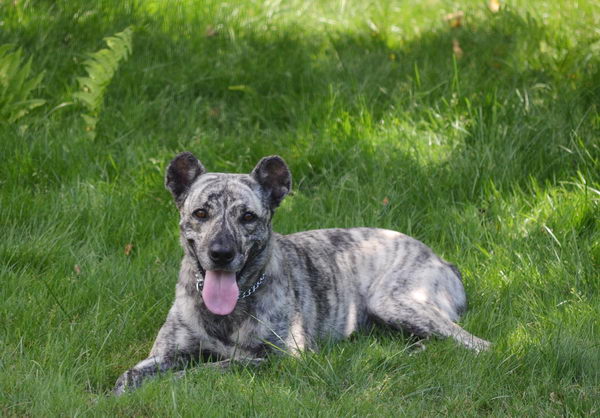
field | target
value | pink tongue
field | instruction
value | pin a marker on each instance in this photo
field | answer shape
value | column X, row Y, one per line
column 220, row 292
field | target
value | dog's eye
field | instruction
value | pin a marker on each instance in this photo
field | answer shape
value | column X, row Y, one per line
column 248, row 217
column 200, row 214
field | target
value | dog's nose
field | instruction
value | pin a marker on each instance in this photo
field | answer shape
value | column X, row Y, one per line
column 220, row 254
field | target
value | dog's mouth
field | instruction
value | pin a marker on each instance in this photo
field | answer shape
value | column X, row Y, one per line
column 220, row 291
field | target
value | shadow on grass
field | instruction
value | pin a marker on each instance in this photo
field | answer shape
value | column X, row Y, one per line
column 517, row 104
column 520, row 102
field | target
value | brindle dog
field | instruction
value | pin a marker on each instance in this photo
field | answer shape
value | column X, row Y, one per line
column 244, row 290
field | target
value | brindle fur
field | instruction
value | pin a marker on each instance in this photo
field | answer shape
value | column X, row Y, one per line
column 320, row 284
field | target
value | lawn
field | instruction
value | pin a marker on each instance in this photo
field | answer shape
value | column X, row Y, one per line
column 478, row 134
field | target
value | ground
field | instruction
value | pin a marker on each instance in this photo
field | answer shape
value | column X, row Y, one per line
column 477, row 133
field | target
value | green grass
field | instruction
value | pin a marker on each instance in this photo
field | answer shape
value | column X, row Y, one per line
column 492, row 159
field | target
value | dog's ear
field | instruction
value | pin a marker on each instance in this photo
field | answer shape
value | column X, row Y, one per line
column 273, row 175
column 181, row 173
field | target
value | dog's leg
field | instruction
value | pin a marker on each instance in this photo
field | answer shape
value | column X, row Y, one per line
column 152, row 366
column 173, row 348
column 423, row 320
column 225, row 364
column 145, row 369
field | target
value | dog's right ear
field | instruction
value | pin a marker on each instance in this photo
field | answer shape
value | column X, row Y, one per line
column 181, row 173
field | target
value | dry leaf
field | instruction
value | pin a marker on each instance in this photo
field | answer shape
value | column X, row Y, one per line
column 454, row 19
column 210, row 32
column 458, row 52
column 128, row 249
column 494, row 6
column 77, row 269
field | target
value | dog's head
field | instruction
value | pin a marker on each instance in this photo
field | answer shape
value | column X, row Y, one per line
column 226, row 220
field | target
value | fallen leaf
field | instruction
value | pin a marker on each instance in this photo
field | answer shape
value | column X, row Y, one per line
column 128, row 249
column 494, row 6
column 458, row 52
column 455, row 19
column 210, row 32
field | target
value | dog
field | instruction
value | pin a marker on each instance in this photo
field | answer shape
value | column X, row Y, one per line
column 244, row 290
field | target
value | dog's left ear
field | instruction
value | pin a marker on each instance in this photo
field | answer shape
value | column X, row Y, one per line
column 181, row 173
column 273, row 174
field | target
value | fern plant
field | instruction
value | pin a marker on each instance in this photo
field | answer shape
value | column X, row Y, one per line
column 101, row 67
column 16, row 85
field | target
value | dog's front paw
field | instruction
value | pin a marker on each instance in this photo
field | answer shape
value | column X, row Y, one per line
column 481, row 345
column 127, row 382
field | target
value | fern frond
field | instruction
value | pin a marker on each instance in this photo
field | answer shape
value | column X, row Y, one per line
column 101, row 67
column 16, row 85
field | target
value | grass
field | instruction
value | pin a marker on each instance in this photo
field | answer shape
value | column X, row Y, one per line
column 491, row 157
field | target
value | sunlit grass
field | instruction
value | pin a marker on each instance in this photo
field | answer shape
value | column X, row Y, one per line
column 491, row 156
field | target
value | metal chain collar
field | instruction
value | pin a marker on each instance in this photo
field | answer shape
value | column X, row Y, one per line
column 242, row 295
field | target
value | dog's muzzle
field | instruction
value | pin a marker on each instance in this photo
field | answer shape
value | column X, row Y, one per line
column 218, row 288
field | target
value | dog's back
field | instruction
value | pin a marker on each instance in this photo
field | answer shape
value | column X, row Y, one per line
column 341, row 278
